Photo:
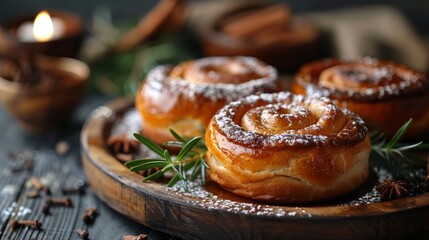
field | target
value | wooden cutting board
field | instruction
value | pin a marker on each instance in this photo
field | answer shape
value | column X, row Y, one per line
column 211, row 213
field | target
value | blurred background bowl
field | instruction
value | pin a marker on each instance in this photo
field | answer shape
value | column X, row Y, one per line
column 40, row 109
column 297, row 42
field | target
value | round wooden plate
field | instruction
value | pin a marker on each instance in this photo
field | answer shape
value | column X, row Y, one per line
column 221, row 215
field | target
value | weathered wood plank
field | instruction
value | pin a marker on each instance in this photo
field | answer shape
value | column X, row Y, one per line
column 13, row 172
column 56, row 171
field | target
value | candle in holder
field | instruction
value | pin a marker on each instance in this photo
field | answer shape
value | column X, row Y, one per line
column 53, row 32
column 44, row 28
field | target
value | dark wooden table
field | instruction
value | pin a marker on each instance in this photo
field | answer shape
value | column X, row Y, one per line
column 58, row 171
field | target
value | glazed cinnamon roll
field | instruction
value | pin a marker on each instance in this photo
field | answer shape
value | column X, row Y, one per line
column 384, row 94
column 287, row 148
column 185, row 97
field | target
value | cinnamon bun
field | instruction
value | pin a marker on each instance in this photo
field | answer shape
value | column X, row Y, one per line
column 385, row 94
column 287, row 148
column 186, row 96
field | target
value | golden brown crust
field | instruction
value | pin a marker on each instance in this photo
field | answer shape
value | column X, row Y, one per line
column 287, row 148
column 384, row 94
column 185, row 97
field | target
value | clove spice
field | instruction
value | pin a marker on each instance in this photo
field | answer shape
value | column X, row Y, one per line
column 31, row 223
column 47, row 190
column 45, row 209
column 89, row 215
column 59, row 201
column 73, row 190
column 83, row 234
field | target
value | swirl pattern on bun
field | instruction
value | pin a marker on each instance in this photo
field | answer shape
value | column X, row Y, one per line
column 287, row 148
column 186, row 96
column 384, row 94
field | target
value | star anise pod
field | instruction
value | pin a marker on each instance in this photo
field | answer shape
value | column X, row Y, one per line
column 123, row 147
column 390, row 189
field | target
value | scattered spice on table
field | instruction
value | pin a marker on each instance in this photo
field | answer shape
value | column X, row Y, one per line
column 73, row 190
column 29, row 223
column 59, row 202
column 83, row 234
column 89, row 215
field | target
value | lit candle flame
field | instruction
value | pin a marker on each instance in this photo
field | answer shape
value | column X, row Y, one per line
column 43, row 28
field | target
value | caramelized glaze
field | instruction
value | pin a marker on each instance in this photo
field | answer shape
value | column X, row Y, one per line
column 385, row 94
column 365, row 79
column 186, row 96
column 287, row 148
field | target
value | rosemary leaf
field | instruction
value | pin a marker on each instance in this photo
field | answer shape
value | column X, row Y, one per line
column 177, row 136
column 177, row 172
column 204, row 163
column 167, row 167
column 151, row 145
column 167, row 157
column 173, row 181
column 203, row 172
column 148, row 165
column 185, row 168
column 397, row 155
column 196, row 170
column 173, row 144
column 188, row 146
column 409, row 147
column 399, row 134
column 140, row 161
column 189, row 159
column 423, row 146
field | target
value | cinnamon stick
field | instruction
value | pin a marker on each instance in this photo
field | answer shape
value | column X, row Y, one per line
column 250, row 23
column 168, row 15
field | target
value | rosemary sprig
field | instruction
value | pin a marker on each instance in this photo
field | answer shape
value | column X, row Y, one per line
column 396, row 153
column 188, row 164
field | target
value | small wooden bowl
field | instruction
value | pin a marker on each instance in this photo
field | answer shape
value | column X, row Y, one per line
column 68, row 45
column 287, row 56
column 38, row 109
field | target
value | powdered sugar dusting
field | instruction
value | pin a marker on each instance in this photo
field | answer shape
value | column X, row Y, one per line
column 382, row 80
column 204, row 197
column 197, row 195
column 226, row 120
column 158, row 80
